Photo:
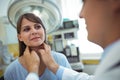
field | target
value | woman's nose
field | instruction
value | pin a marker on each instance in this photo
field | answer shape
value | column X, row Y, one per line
column 33, row 31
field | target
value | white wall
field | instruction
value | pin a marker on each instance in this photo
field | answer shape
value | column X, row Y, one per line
column 2, row 32
column 11, row 34
column 71, row 10
column 3, row 7
column 8, row 33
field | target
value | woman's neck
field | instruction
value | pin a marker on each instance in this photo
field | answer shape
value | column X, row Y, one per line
column 36, row 48
column 42, row 66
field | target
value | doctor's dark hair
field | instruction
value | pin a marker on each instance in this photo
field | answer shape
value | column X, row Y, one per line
column 33, row 18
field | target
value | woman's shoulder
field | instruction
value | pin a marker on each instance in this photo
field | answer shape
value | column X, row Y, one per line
column 12, row 66
column 58, row 54
column 61, row 59
column 14, row 71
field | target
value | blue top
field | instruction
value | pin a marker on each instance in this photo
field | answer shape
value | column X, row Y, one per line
column 15, row 71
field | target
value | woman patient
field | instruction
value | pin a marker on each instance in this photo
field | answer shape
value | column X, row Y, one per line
column 32, row 37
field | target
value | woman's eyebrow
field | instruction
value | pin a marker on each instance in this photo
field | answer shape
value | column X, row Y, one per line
column 38, row 24
column 24, row 26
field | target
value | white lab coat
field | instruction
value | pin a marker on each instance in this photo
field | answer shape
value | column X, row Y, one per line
column 73, row 75
column 109, row 68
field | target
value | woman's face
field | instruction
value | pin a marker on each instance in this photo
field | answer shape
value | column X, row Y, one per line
column 32, row 34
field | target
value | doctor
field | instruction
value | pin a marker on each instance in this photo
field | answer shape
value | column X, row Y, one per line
column 103, row 25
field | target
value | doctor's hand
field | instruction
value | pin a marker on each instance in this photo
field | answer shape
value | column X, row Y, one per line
column 32, row 60
column 47, row 58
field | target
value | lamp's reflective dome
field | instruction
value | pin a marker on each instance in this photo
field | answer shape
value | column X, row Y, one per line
column 48, row 10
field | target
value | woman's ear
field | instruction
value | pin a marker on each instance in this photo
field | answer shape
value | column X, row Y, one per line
column 19, row 37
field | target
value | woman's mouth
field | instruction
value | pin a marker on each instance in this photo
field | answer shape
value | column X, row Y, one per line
column 35, row 38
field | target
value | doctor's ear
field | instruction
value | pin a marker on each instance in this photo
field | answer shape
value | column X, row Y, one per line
column 115, row 5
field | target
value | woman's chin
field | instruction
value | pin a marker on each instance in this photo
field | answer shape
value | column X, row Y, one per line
column 36, row 45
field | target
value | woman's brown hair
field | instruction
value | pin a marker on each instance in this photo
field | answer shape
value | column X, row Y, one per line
column 30, row 17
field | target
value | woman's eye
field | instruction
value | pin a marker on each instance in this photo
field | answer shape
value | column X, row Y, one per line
column 38, row 26
column 26, row 29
